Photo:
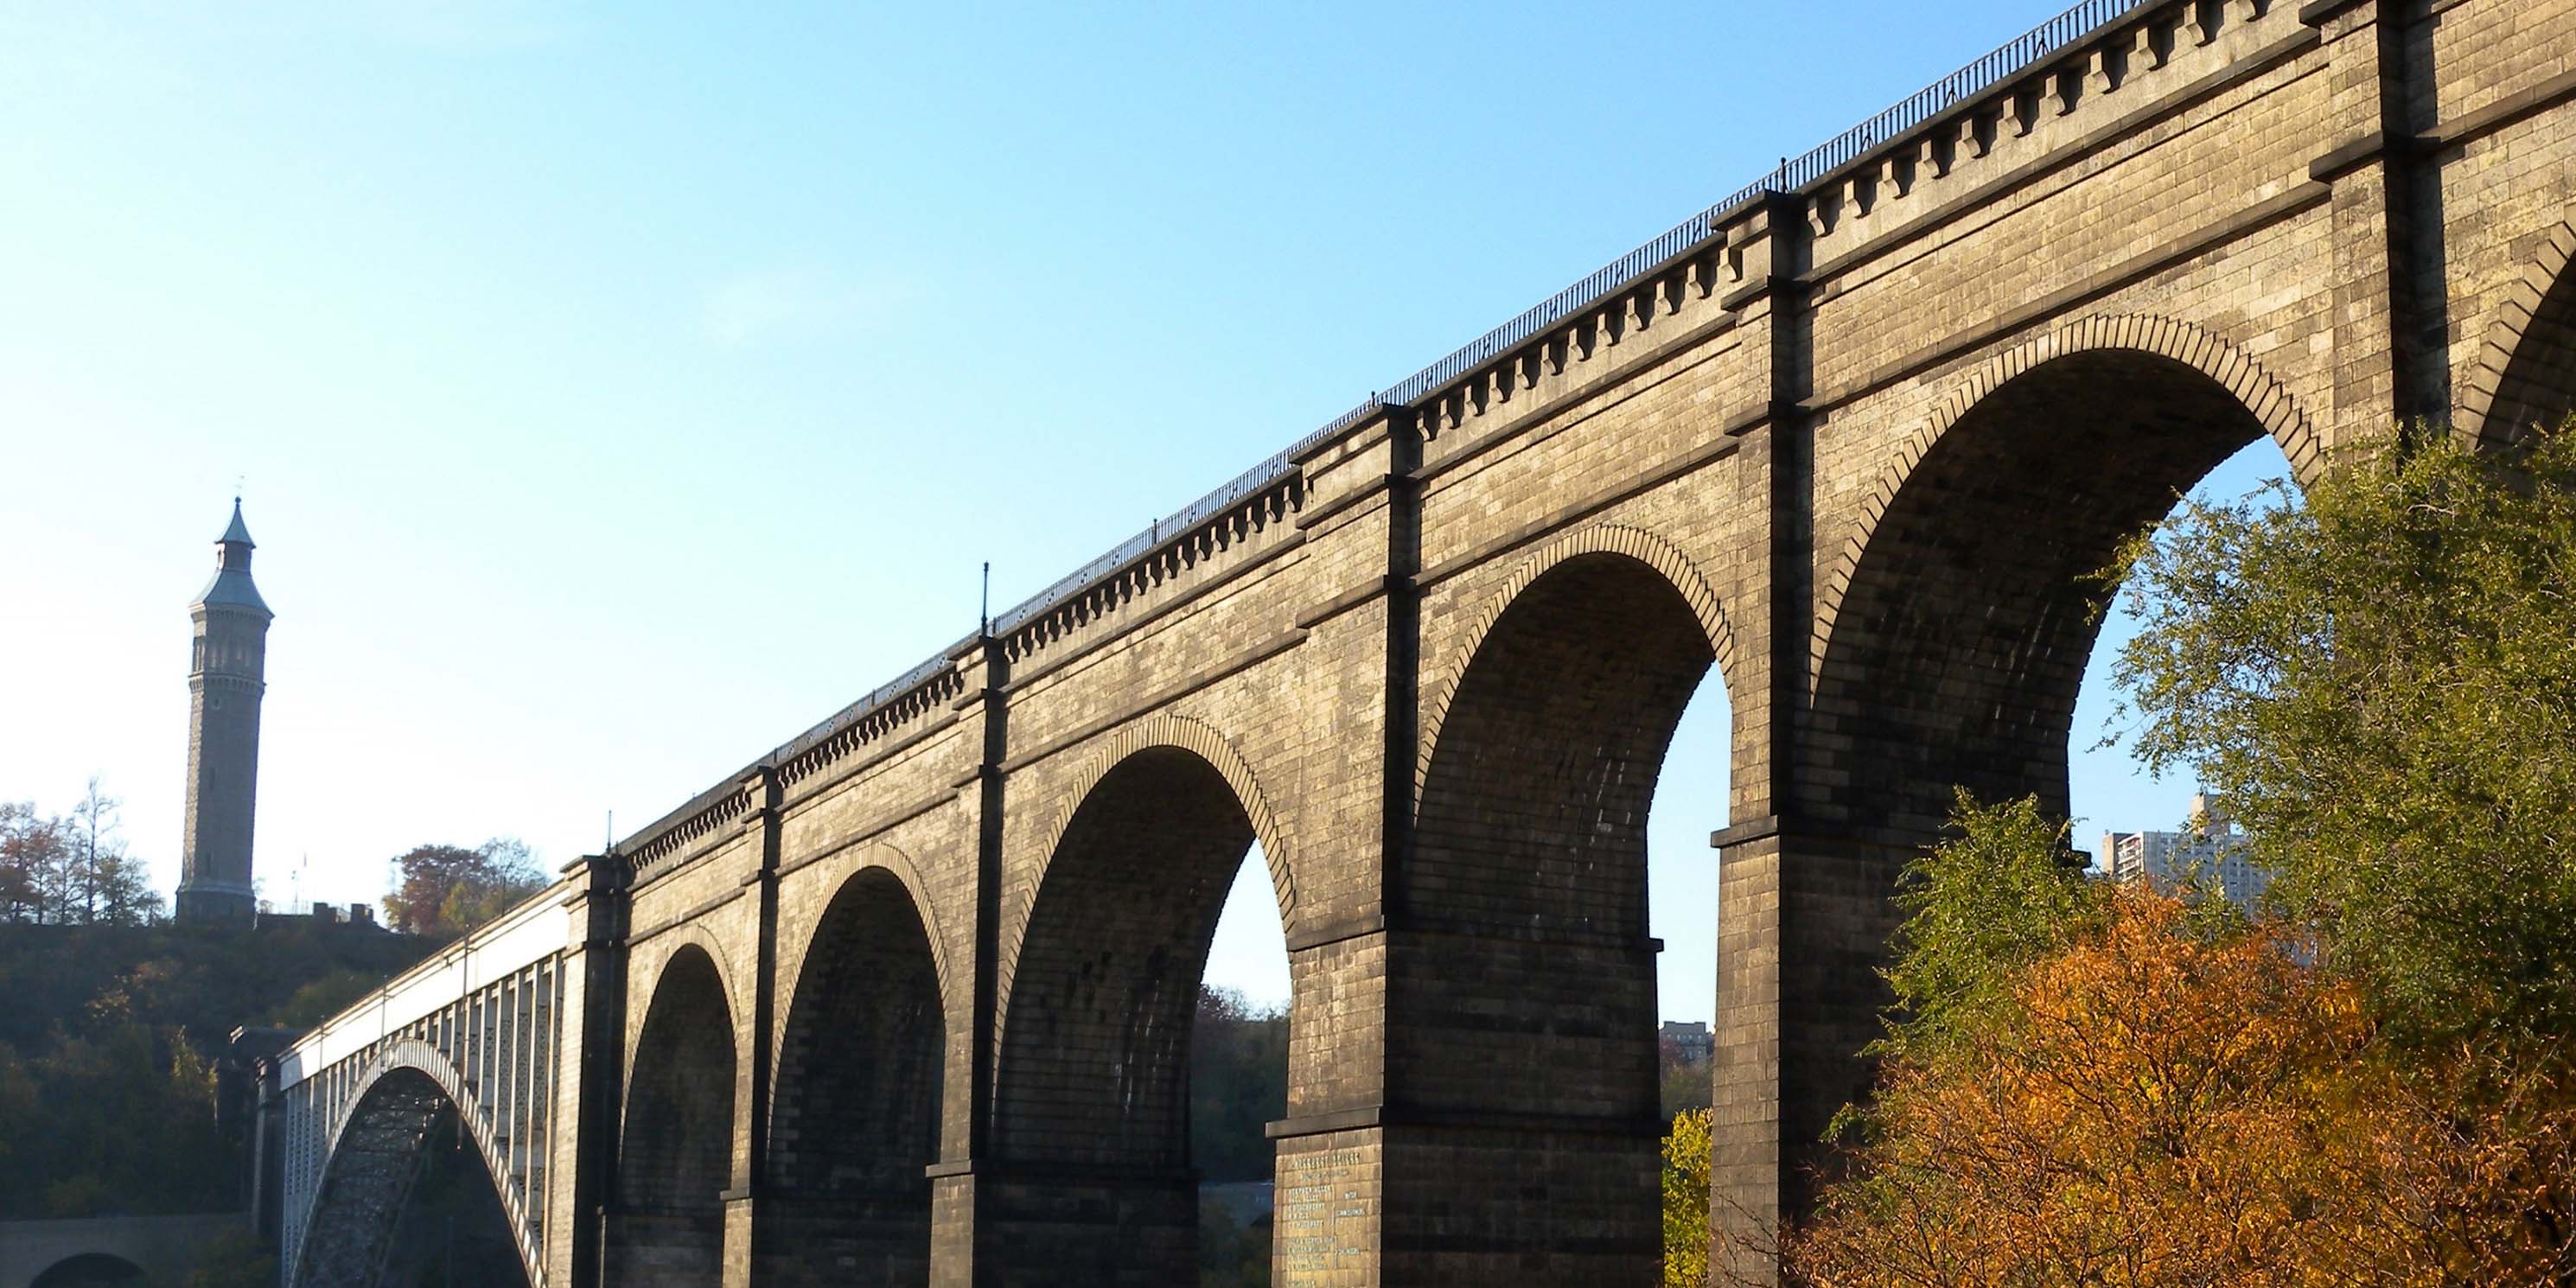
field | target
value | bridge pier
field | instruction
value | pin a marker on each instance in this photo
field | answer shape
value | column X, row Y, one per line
column 805, row 1241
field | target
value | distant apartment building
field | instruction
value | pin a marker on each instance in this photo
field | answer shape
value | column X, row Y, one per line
column 1691, row 1043
column 2215, row 846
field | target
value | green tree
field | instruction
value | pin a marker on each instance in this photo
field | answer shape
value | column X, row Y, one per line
column 123, row 1122
column 1238, row 1084
column 2380, row 684
column 1686, row 1171
column 105, row 1096
column 1980, row 908
column 1233, row 1253
column 323, row 998
column 232, row 1260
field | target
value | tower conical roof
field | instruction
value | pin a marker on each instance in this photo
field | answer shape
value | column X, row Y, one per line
column 232, row 586
column 236, row 534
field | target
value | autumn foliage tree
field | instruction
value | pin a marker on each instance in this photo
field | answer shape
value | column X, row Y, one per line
column 2152, row 1106
column 72, row 869
column 448, row 889
column 2374, row 1083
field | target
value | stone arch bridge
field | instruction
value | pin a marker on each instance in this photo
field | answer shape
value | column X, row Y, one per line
column 907, row 1001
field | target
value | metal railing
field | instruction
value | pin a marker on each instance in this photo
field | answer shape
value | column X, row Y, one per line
column 2026, row 51
column 2029, row 50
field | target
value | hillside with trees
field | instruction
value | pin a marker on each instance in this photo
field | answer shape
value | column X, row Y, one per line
column 117, row 1020
column 108, row 1048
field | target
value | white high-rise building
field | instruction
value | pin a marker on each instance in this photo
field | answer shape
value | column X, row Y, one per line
column 2215, row 845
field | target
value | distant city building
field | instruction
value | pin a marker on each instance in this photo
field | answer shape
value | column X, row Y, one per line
column 2216, row 847
column 1692, row 1041
column 226, row 678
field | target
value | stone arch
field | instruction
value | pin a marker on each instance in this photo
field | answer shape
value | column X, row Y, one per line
column 676, row 1145
column 2262, row 394
column 1530, row 980
column 674, row 940
column 898, row 864
column 1164, row 729
column 1097, row 997
column 1953, row 631
column 856, row 1104
column 88, row 1270
column 408, row 1090
column 2526, row 370
column 1600, row 538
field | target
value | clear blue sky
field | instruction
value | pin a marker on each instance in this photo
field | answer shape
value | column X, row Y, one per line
column 619, row 390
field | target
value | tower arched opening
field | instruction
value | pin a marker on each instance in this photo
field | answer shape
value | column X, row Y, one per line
column 855, row 1118
column 675, row 1156
column 1527, row 1034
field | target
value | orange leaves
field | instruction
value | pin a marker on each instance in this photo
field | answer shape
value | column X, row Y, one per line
column 2157, row 1108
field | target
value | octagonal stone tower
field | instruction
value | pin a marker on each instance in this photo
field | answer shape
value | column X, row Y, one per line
column 225, row 681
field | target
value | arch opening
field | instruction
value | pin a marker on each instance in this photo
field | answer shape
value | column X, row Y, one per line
column 675, row 1154
column 1959, row 647
column 2538, row 386
column 407, row 1199
column 454, row 1229
column 856, row 1115
column 2113, row 803
column 1531, row 1008
column 88, row 1270
column 1092, row 1121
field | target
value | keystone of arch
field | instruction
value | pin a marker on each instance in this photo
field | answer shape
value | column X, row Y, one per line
column 2505, row 336
column 412, row 1055
column 1599, row 538
column 2262, row 394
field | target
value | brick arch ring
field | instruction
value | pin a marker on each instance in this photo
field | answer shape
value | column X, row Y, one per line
column 1600, row 538
column 1163, row 729
column 896, row 863
column 412, row 1055
column 2258, row 390
column 886, row 857
column 686, row 934
column 2505, row 335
